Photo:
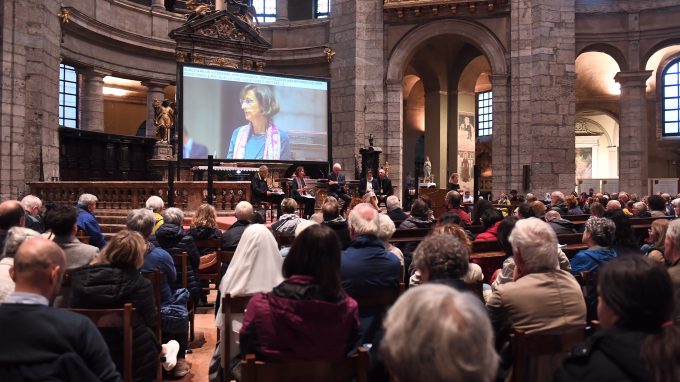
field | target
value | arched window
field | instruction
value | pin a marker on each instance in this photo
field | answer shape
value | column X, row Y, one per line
column 68, row 96
column 265, row 10
column 322, row 9
column 670, row 82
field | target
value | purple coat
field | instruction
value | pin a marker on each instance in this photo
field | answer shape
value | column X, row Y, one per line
column 294, row 322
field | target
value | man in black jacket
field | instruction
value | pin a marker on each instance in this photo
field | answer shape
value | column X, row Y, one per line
column 244, row 216
column 261, row 191
column 394, row 210
column 29, row 348
column 385, row 188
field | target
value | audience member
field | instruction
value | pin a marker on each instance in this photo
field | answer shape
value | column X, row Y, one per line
column 367, row 266
column 672, row 255
column 524, row 211
column 61, row 221
column 333, row 220
column 289, row 220
column 394, row 210
column 155, row 204
column 32, row 205
column 657, row 238
column 371, row 199
column 87, row 204
column 171, row 237
column 453, row 200
column 435, row 333
column 308, row 316
column 442, row 258
column 490, row 219
column 558, row 224
column 542, row 298
column 675, row 203
column 421, row 216
column 256, row 267
column 478, row 209
column 625, row 238
column 539, row 209
column 640, row 210
column 468, row 198
column 38, row 342
column 385, row 232
column 244, row 216
column 110, row 282
column 15, row 236
column 596, row 209
column 657, row 206
column 637, row 340
column 11, row 215
column 557, row 203
column 204, row 227
column 572, row 205
column 612, row 205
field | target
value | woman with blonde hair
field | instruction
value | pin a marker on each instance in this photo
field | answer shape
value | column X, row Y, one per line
column 657, row 237
column 112, row 280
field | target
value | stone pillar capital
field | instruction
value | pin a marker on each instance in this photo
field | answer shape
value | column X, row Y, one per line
column 633, row 79
column 94, row 73
column 154, row 85
column 499, row 79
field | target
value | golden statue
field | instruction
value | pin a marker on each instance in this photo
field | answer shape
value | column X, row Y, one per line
column 163, row 119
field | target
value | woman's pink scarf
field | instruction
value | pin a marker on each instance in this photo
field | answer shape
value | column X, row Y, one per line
column 272, row 145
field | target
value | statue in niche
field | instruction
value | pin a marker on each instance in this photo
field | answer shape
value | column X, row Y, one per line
column 427, row 170
column 163, row 119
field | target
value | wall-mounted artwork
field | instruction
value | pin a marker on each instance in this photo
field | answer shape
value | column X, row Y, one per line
column 466, row 150
column 584, row 162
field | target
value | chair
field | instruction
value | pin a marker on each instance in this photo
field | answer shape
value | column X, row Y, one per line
column 527, row 347
column 156, row 279
column 119, row 319
column 230, row 305
column 82, row 237
column 378, row 297
column 212, row 244
column 352, row 368
column 183, row 260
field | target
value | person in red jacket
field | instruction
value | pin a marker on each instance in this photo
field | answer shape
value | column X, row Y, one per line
column 490, row 218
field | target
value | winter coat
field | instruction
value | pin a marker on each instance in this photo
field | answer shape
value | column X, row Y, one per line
column 88, row 223
column 286, row 224
column 562, row 226
column 232, row 236
column 205, row 233
column 106, row 286
column 341, row 228
column 490, row 234
column 295, row 322
column 417, row 222
column 174, row 240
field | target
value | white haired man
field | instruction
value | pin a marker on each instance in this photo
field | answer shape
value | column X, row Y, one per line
column 366, row 266
column 557, row 203
column 336, row 187
column 542, row 298
column 394, row 210
column 32, row 205
column 435, row 333
column 672, row 256
column 87, row 204
column 244, row 217
column 155, row 204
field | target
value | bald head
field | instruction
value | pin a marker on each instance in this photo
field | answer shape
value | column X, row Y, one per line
column 551, row 215
column 613, row 205
column 11, row 214
column 363, row 220
column 39, row 265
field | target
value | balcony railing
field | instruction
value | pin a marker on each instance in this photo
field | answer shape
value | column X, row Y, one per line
column 441, row 7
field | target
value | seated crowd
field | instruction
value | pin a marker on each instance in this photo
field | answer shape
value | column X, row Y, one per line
column 323, row 285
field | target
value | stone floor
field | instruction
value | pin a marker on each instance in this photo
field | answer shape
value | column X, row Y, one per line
column 203, row 345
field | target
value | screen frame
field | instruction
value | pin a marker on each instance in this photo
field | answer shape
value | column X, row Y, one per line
column 179, row 118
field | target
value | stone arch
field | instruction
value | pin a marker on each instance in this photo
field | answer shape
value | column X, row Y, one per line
column 608, row 49
column 656, row 47
column 476, row 34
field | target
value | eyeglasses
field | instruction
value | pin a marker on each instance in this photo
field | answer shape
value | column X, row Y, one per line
column 247, row 102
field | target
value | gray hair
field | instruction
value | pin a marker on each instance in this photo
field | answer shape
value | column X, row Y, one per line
column 31, row 201
column 558, row 194
column 613, row 205
column 173, row 215
column 673, row 233
column 288, row 206
column 552, row 214
column 363, row 219
column 601, row 230
column 303, row 225
column 536, row 242
column 263, row 167
column 386, row 227
column 675, row 202
column 392, row 203
column 87, row 199
column 155, row 203
column 442, row 256
column 453, row 198
column 640, row 206
column 15, row 236
column 243, row 211
column 141, row 220
column 337, row 165
column 435, row 333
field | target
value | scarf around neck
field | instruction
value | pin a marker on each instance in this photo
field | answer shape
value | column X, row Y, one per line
column 272, row 145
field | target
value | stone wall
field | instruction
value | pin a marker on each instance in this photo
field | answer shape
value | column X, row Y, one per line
column 30, row 65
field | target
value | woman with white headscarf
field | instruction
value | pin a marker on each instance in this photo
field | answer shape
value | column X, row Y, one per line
column 256, row 267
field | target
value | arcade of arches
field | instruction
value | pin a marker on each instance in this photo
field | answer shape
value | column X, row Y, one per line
column 574, row 88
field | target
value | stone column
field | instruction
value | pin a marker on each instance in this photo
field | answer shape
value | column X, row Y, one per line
column 501, row 146
column 436, row 134
column 394, row 149
column 543, row 96
column 157, row 5
column 281, row 10
column 633, row 134
column 93, row 100
column 155, row 91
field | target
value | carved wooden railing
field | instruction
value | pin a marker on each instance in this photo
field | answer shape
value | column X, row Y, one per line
column 129, row 195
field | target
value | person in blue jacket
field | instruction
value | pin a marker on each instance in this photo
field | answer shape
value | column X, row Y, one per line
column 87, row 204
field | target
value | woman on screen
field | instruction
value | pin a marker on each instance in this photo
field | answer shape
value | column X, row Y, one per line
column 260, row 138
